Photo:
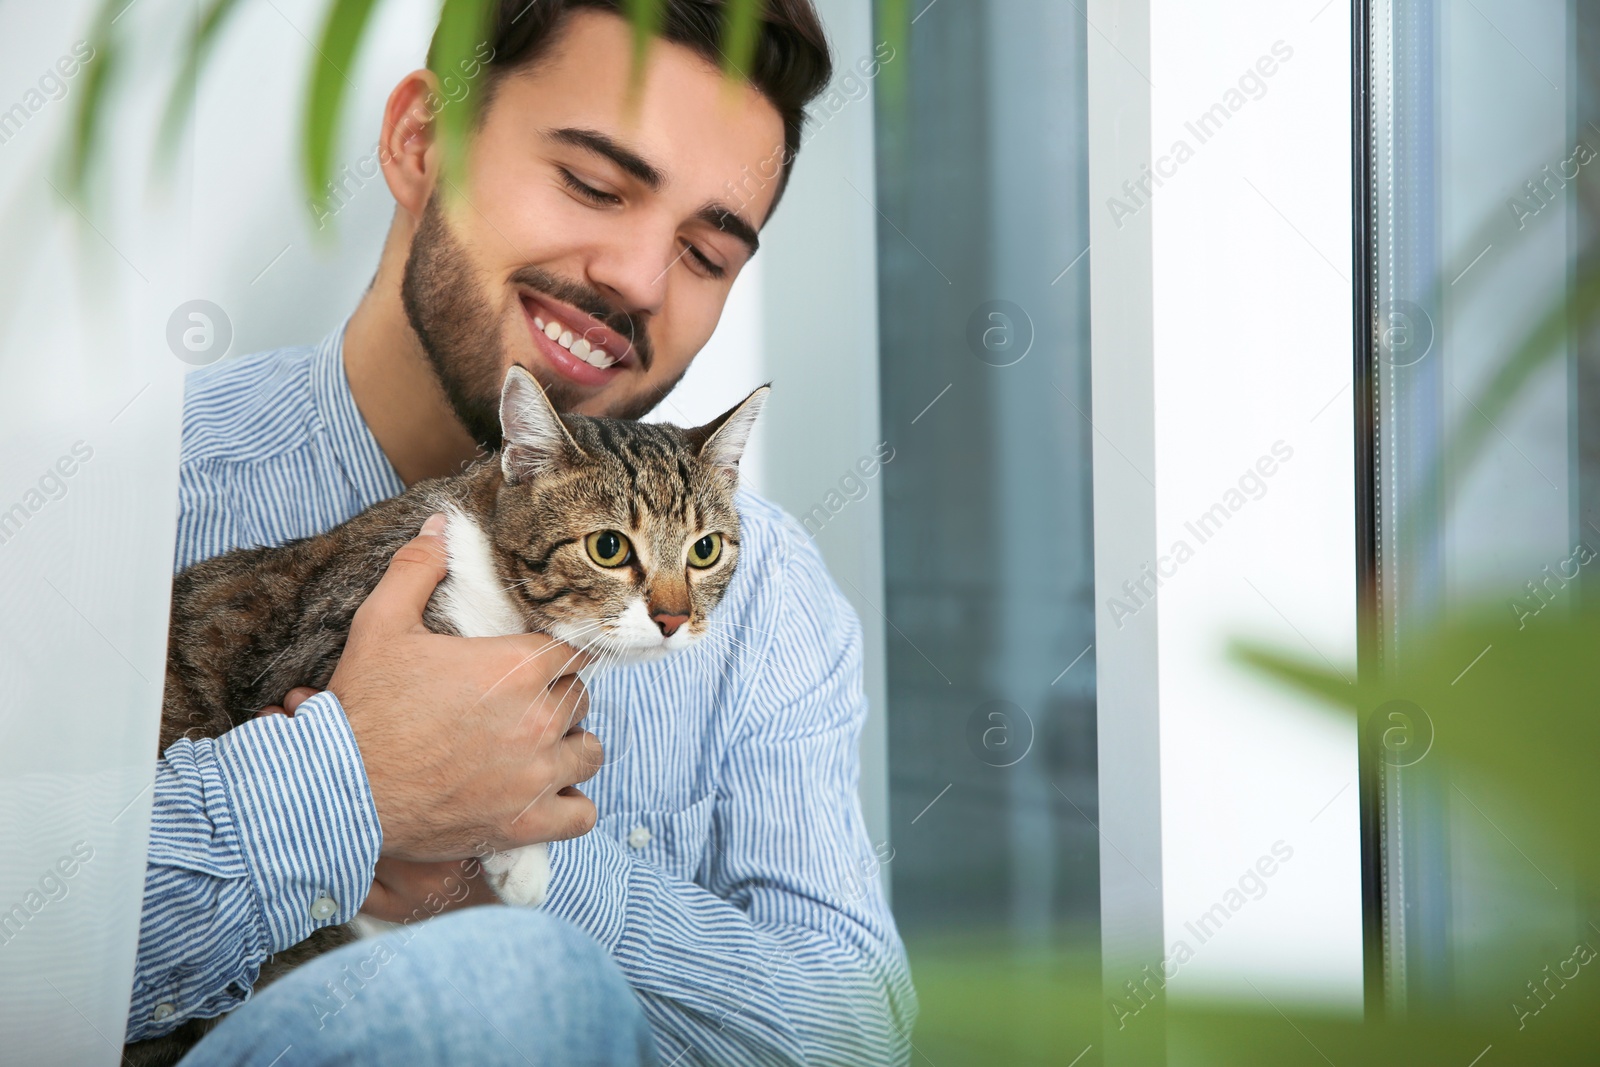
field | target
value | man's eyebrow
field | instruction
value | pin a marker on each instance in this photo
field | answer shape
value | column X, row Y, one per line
column 635, row 165
column 723, row 218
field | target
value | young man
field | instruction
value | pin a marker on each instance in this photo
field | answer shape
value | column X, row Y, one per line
column 718, row 912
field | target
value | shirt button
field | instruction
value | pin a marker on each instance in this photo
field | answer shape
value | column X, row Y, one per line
column 639, row 836
column 323, row 908
column 163, row 1011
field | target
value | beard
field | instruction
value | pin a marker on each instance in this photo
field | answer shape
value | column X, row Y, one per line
column 460, row 332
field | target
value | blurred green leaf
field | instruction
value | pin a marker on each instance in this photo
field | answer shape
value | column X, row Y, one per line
column 87, row 121
column 740, row 31
column 1569, row 314
column 894, row 29
column 464, row 27
column 646, row 17
column 336, row 48
column 1516, row 703
column 197, row 49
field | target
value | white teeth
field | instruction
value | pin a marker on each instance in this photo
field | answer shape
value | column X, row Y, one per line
column 578, row 346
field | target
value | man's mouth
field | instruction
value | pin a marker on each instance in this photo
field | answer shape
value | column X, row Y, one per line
column 574, row 344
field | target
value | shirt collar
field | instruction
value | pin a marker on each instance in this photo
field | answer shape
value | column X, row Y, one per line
column 357, row 451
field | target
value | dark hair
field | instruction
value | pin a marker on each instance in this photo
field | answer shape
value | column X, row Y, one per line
column 791, row 65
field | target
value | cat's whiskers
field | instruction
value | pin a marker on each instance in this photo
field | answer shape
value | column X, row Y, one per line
column 533, row 656
column 764, row 660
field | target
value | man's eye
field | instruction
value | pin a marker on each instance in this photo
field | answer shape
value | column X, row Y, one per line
column 588, row 192
column 705, row 264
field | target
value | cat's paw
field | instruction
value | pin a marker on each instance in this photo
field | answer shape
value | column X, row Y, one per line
column 520, row 876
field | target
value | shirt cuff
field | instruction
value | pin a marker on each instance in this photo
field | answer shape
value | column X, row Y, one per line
column 305, row 812
column 589, row 886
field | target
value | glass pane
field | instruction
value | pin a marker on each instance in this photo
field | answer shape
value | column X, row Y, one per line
column 988, row 554
column 1485, row 399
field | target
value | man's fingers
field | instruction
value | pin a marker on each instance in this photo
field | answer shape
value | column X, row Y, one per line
column 415, row 569
column 567, row 814
column 547, row 658
column 297, row 696
column 404, row 890
column 579, row 814
column 572, row 697
column 291, row 702
column 582, row 756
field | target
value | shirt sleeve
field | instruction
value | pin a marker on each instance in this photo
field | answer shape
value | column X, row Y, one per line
column 787, row 954
column 257, row 838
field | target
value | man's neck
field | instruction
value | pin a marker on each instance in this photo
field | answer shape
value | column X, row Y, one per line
column 398, row 393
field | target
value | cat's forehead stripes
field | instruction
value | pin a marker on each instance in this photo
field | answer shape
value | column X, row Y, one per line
column 656, row 460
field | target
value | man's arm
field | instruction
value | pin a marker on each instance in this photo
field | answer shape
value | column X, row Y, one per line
column 273, row 829
column 257, row 838
column 791, row 957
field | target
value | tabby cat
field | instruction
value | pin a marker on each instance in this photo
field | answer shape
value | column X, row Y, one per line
column 616, row 537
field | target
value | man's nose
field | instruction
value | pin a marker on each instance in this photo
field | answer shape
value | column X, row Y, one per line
column 669, row 623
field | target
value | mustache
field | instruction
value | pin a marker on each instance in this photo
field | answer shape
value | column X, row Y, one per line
column 592, row 304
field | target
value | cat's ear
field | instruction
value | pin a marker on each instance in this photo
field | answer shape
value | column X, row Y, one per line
column 725, row 436
column 534, row 440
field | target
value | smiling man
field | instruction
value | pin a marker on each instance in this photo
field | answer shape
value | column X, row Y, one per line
column 712, row 897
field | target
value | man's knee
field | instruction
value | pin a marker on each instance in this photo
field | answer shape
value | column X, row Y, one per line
column 543, row 985
column 521, row 936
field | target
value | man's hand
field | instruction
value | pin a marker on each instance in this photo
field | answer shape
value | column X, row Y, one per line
column 402, row 889
column 470, row 744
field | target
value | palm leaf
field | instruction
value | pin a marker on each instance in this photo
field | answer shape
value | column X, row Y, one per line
column 463, row 26
column 1513, row 700
column 336, row 48
column 197, row 49
column 84, row 137
column 740, row 31
column 894, row 29
column 645, row 16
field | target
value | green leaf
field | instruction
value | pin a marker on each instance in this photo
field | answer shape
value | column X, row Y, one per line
column 646, row 17
column 84, row 136
column 463, row 29
column 180, row 101
column 1513, row 698
column 341, row 35
column 894, row 29
column 741, row 29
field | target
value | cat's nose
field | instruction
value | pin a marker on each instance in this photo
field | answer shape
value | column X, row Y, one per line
column 669, row 623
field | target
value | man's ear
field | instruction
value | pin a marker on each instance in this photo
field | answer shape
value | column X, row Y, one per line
column 725, row 436
column 406, row 149
column 534, row 439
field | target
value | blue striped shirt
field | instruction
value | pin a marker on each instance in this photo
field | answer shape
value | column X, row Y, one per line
column 730, row 874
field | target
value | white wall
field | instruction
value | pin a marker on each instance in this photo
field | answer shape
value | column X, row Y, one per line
column 1243, row 254
column 88, row 449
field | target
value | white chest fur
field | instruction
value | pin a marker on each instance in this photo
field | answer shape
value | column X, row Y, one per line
column 477, row 603
column 474, row 598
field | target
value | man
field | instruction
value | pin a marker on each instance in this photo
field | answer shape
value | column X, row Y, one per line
column 708, row 906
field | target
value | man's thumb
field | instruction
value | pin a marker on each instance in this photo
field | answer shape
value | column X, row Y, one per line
column 415, row 569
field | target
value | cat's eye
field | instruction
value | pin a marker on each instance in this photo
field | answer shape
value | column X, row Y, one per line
column 608, row 548
column 704, row 552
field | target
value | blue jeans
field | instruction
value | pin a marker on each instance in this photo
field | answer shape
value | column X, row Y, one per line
column 486, row 985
